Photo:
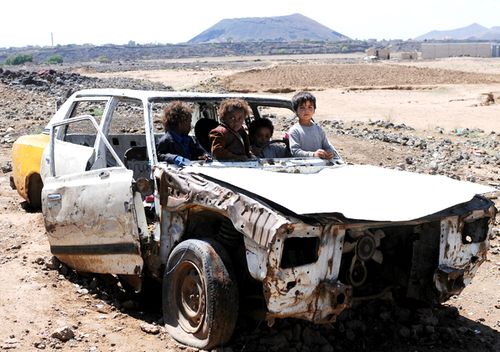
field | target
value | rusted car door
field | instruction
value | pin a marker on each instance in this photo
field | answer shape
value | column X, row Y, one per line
column 91, row 213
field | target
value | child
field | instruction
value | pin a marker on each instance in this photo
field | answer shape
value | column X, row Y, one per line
column 306, row 137
column 261, row 130
column 229, row 140
column 175, row 146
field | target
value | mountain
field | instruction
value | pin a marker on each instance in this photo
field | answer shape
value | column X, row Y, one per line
column 473, row 32
column 294, row 27
column 492, row 34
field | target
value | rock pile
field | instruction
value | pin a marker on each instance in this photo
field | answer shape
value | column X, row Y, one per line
column 465, row 154
column 445, row 155
column 31, row 97
column 372, row 326
column 62, row 84
column 379, row 325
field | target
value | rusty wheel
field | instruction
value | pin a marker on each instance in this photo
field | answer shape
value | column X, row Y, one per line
column 200, row 299
column 190, row 302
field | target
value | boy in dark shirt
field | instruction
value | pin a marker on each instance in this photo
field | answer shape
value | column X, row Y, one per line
column 176, row 146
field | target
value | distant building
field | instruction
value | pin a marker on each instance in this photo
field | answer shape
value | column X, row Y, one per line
column 409, row 55
column 495, row 50
column 380, row 53
column 437, row 50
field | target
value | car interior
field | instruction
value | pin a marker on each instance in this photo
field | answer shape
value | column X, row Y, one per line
column 126, row 135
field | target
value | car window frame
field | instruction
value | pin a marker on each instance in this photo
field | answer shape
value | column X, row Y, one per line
column 53, row 136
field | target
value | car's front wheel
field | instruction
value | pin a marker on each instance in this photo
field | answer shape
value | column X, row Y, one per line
column 200, row 297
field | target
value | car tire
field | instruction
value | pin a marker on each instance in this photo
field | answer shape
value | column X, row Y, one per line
column 35, row 186
column 200, row 296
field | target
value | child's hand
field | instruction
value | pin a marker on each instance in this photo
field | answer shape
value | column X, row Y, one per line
column 256, row 150
column 206, row 157
column 323, row 154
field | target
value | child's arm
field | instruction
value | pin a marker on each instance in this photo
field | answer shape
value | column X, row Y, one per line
column 166, row 150
column 326, row 145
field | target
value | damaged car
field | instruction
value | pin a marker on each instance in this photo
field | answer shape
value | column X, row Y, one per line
column 302, row 237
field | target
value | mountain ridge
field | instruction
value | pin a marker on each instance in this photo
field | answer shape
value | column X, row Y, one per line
column 295, row 27
column 473, row 31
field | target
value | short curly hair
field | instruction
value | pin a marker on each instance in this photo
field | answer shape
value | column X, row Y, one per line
column 300, row 98
column 229, row 106
column 259, row 123
column 174, row 113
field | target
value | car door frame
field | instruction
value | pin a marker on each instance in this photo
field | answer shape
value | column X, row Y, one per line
column 91, row 215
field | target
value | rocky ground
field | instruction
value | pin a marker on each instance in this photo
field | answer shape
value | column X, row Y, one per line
column 28, row 98
column 46, row 306
column 320, row 76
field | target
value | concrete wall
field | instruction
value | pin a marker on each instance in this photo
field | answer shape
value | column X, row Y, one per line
column 412, row 55
column 436, row 50
column 381, row 53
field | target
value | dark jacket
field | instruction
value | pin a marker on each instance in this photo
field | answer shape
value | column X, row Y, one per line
column 168, row 148
column 227, row 146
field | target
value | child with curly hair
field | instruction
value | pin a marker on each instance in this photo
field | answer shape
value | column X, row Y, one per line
column 229, row 140
column 176, row 146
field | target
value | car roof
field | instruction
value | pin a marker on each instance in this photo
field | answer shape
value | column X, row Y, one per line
column 153, row 95
column 159, row 96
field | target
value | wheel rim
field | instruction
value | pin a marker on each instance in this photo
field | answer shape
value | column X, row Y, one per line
column 190, row 297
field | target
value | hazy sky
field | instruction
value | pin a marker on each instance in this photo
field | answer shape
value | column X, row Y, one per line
column 30, row 22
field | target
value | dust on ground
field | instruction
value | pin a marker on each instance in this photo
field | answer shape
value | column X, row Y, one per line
column 464, row 64
column 448, row 93
column 422, row 97
column 38, row 297
column 350, row 75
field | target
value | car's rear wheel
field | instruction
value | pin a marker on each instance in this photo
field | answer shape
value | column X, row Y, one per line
column 35, row 186
column 200, row 297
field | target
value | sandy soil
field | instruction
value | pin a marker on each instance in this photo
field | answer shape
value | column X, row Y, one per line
column 177, row 79
column 35, row 300
column 465, row 64
column 447, row 94
column 447, row 106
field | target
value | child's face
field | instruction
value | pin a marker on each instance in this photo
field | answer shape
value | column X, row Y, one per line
column 184, row 126
column 305, row 112
column 235, row 120
column 262, row 136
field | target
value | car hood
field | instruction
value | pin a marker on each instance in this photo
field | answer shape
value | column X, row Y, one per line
column 356, row 191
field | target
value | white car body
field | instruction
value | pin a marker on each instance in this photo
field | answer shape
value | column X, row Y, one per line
column 315, row 234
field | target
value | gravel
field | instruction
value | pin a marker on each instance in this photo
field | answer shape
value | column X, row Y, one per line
column 371, row 326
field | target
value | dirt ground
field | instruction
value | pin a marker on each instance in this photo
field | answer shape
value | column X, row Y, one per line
column 447, row 93
column 436, row 98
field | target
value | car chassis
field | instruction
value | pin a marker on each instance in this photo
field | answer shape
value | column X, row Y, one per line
column 308, row 236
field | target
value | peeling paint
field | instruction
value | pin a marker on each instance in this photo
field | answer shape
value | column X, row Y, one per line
column 316, row 250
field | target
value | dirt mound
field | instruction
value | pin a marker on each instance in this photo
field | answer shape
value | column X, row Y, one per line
column 323, row 76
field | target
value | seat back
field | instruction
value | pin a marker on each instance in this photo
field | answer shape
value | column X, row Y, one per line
column 136, row 159
column 201, row 130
